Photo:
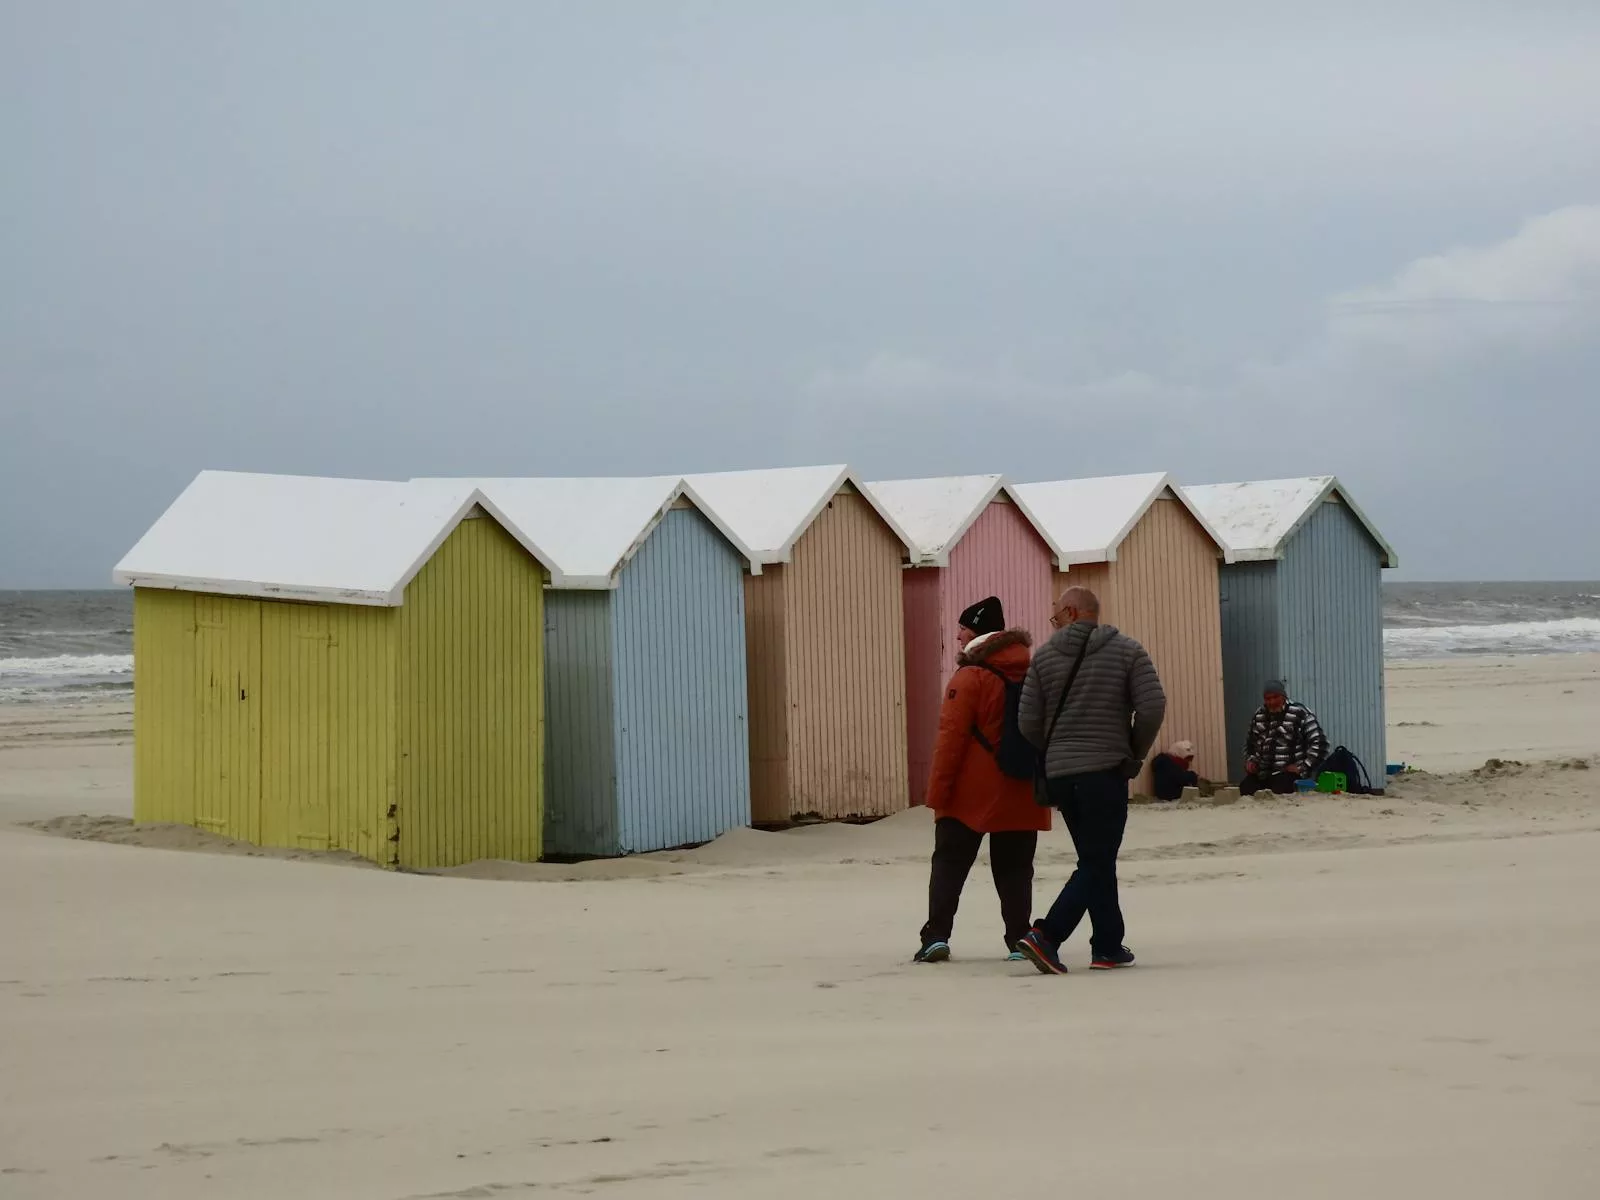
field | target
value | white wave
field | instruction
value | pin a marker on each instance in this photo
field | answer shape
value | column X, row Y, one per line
column 65, row 666
column 1565, row 636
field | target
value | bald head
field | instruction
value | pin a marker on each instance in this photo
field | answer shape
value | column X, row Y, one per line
column 1082, row 599
column 1076, row 604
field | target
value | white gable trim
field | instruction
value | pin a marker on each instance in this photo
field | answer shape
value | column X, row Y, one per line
column 391, row 597
column 1330, row 488
column 785, row 552
column 686, row 491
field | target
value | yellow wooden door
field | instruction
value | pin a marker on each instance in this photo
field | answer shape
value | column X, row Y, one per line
column 297, row 775
column 228, row 725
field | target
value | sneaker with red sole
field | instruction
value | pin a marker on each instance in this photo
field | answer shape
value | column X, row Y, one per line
column 1041, row 952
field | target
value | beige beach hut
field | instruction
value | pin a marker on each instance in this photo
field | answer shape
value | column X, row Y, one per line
column 1145, row 550
column 825, row 641
column 340, row 664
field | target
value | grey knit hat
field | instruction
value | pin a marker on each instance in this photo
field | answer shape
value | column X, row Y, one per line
column 1274, row 687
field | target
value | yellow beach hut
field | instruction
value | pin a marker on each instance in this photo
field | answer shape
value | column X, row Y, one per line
column 339, row 664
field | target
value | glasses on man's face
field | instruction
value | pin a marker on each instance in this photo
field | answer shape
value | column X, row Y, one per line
column 1057, row 617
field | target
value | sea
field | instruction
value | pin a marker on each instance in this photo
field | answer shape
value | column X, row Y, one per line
column 70, row 647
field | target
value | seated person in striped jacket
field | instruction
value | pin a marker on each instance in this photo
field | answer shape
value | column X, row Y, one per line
column 1285, row 744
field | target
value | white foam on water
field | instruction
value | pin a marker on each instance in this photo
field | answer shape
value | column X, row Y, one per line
column 1569, row 635
column 64, row 668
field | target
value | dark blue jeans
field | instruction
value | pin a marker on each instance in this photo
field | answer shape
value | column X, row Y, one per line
column 1095, row 808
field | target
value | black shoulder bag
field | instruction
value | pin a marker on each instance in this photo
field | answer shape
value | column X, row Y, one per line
column 1041, row 792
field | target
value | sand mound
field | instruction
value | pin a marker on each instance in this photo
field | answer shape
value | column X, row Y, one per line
column 119, row 831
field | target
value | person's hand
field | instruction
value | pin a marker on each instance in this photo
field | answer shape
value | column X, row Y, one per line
column 1293, row 769
column 1132, row 766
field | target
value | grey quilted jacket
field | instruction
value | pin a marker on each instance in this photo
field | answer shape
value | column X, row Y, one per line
column 1115, row 708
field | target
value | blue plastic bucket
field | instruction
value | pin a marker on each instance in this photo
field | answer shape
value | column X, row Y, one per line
column 1305, row 785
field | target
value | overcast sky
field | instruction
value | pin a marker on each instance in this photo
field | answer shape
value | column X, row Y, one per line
column 386, row 238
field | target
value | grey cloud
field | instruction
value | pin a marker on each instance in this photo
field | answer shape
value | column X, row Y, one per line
column 1450, row 396
column 393, row 238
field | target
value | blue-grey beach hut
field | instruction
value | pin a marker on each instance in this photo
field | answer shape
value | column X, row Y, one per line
column 1302, row 602
column 646, row 703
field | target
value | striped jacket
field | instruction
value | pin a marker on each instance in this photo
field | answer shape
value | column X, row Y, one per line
column 1292, row 736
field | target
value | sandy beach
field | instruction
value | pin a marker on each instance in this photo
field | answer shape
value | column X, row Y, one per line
column 1388, row 995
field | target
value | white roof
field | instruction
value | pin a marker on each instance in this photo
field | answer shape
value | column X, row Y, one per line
column 771, row 509
column 350, row 541
column 1085, row 520
column 590, row 527
column 1257, row 519
column 936, row 513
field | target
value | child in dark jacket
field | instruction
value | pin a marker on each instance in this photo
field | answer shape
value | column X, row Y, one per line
column 1170, row 773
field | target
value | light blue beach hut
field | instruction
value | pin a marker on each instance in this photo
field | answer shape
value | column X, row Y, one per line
column 647, row 732
column 1302, row 602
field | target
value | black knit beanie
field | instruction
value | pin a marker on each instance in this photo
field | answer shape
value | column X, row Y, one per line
column 986, row 616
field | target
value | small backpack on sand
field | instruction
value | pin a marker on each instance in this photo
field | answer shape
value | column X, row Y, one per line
column 1015, row 755
column 1343, row 762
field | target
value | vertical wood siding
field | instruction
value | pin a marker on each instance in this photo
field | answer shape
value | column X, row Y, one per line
column 846, row 666
column 1099, row 578
column 1250, row 654
column 228, row 725
column 1167, row 585
column 682, row 739
column 327, row 727
column 1001, row 555
column 767, row 669
column 471, row 728
column 921, row 592
column 580, row 806
column 166, row 705
column 1163, row 591
column 1331, row 608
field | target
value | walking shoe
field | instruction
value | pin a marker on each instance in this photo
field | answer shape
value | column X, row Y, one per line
column 1016, row 956
column 1041, row 952
column 1110, row 960
column 933, row 952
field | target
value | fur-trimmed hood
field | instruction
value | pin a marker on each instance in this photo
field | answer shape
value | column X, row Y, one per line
column 981, row 649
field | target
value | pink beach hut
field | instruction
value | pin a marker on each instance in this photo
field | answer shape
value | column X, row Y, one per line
column 971, row 537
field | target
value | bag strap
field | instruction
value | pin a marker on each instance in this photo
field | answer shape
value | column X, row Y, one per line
column 1061, row 704
column 1004, row 679
column 1361, row 768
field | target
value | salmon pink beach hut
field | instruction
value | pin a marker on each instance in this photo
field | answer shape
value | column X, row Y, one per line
column 825, row 640
column 340, row 664
column 971, row 538
column 1302, row 602
column 1138, row 543
column 647, row 707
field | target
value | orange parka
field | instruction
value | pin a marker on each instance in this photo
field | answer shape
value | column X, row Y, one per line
column 967, row 783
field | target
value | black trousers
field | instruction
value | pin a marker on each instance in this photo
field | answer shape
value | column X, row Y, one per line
column 1095, row 808
column 955, row 849
column 1282, row 783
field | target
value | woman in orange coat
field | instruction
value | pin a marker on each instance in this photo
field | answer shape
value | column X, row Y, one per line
column 970, row 795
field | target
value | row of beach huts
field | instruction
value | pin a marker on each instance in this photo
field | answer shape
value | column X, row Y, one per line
column 437, row 671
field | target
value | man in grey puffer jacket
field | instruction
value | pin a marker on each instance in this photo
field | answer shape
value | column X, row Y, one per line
column 1108, row 723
